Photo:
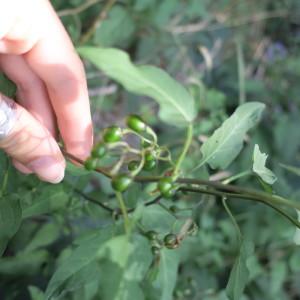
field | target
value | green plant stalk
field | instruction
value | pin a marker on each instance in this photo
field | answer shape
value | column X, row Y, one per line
column 97, row 22
column 188, row 141
column 124, row 212
column 152, row 133
column 140, row 167
column 77, row 10
column 219, row 187
column 129, row 131
column 123, row 145
column 233, row 220
column 241, row 70
column 244, row 197
column 237, row 176
column 117, row 166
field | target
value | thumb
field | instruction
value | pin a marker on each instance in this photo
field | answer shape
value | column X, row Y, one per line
column 29, row 143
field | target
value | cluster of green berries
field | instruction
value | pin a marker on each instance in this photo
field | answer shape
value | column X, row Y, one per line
column 114, row 134
column 167, row 187
column 169, row 241
column 122, row 181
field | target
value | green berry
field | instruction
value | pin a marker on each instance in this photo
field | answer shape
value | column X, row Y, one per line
column 112, row 134
column 121, row 182
column 149, row 165
column 135, row 123
column 170, row 241
column 166, row 187
column 99, row 150
column 90, row 164
column 151, row 235
column 149, row 156
column 133, row 165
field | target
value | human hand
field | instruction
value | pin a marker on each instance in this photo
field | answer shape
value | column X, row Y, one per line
column 37, row 54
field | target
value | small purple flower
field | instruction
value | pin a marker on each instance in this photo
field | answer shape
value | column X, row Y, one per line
column 275, row 51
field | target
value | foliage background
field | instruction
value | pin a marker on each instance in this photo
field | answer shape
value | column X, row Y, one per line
column 225, row 52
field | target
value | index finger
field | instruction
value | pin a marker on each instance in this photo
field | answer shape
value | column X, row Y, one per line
column 54, row 59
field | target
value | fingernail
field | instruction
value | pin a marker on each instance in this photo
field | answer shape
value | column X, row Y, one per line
column 48, row 169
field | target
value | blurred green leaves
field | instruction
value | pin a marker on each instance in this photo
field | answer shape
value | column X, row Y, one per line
column 10, row 218
column 239, row 274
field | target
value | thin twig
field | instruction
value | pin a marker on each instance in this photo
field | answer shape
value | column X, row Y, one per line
column 97, row 22
column 124, row 212
column 77, row 10
column 90, row 199
column 103, row 91
column 202, row 26
column 233, row 220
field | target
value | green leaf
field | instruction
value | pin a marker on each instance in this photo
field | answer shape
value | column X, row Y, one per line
column 279, row 272
column 177, row 107
column 50, row 199
column 259, row 166
column 36, row 293
column 156, row 218
column 127, row 263
column 46, row 235
column 24, row 263
column 83, row 284
column 10, row 219
column 80, row 257
column 167, row 274
column 239, row 274
column 75, row 170
column 117, row 29
column 227, row 141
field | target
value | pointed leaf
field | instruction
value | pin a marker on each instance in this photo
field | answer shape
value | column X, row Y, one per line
column 259, row 166
column 127, row 263
column 167, row 274
column 177, row 107
column 239, row 274
column 227, row 141
column 80, row 258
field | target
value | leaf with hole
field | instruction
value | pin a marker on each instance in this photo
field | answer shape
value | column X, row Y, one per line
column 259, row 166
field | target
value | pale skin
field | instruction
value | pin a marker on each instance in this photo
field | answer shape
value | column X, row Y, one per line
column 37, row 54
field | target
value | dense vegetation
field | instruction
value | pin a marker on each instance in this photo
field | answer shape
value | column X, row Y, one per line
column 226, row 232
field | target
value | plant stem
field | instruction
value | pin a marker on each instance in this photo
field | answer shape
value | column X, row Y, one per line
column 124, row 212
column 241, row 70
column 5, row 179
column 188, row 141
column 244, row 197
column 237, row 176
column 97, row 22
column 219, row 188
column 77, row 10
column 90, row 199
column 233, row 220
